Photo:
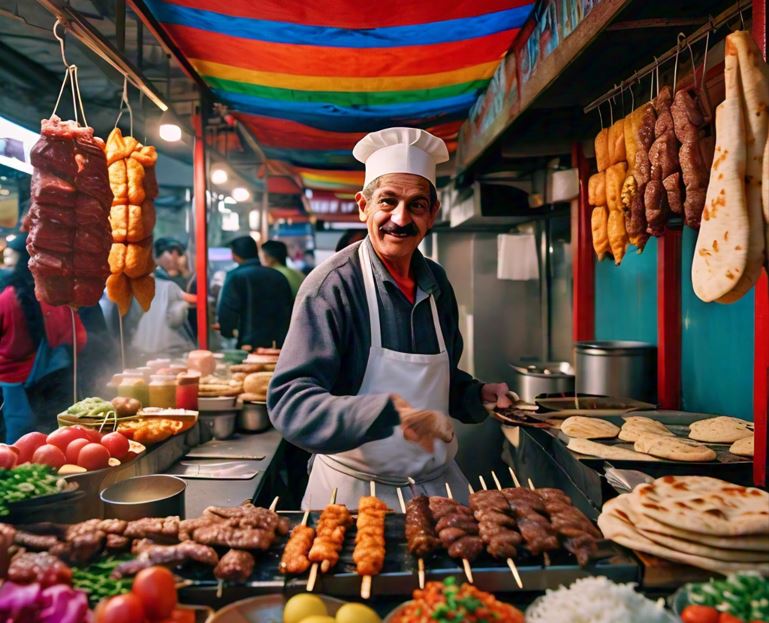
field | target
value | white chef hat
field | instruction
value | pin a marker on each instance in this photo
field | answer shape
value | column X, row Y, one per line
column 400, row 150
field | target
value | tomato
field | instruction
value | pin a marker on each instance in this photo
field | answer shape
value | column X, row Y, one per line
column 8, row 456
column 156, row 587
column 729, row 618
column 180, row 615
column 48, row 454
column 62, row 437
column 27, row 444
column 116, row 444
column 93, row 456
column 121, row 609
column 699, row 614
column 91, row 434
column 73, row 450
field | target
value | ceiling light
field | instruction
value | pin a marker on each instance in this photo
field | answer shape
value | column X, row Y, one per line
column 240, row 194
column 219, row 176
column 169, row 128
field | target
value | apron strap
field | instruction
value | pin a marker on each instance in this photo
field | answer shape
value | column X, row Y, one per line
column 437, row 325
column 373, row 306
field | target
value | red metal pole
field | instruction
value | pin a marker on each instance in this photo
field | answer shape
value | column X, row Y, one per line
column 669, row 319
column 201, row 227
column 583, row 315
column 761, row 322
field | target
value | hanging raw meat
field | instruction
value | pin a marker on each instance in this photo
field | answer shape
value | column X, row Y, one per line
column 132, row 219
column 69, row 237
column 663, row 193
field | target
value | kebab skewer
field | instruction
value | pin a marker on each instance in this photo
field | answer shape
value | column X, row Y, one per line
column 295, row 559
column 369, row 552
column 457, row 529
column 329, row 538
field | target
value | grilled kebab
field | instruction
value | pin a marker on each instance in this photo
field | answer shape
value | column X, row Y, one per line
column 369, row 553
column 332, row 525
column 456, row 527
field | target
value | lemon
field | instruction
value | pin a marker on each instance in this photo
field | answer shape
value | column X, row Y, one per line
column 357, row 613
column 301, row 607
column 318, row 618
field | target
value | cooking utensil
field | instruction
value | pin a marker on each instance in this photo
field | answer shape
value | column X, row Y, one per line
column 221, row 424
column 253, row 417
column 155, row 495
column 617, row 368
column 531, row 379
column 625, row 480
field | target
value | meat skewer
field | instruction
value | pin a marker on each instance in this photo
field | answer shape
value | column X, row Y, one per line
column 369, row 550
column 332, row 525
column 420, row 531
column 465, row 560
column 295, row 560
column 533, row 524
column 509, row 515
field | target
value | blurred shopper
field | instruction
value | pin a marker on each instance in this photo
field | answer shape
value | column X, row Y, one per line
column 164, row 327
column 35, row 350
column 349, row 237
column 255, row 301
column 274, row 254
column 308, row 261
column 173, row 265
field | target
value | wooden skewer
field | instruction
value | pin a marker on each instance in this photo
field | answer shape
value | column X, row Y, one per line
column 365, row 583
column 306, row 518
column 313, row 577
column 465, row 561
column 219, row 589
column 420, row 561
column 274, row 504
column 545, row 555
column 510, row 561
column 496, row 480
column 515, row 478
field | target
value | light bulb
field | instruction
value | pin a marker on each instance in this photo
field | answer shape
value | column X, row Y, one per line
column 169, row 129
column 240, row 194
column 219, row 176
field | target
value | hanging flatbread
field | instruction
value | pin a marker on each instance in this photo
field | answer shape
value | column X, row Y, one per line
column 721, row 252
column 721, row 429
column 602, row 451
column 617, row 526
column 673, row 448
column 743, row 447
column 703, row 504
column 636, row 425
column 589, row 428
column 754, row 96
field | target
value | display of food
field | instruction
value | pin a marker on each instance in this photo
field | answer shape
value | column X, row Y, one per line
column 308, row 608
column 445, row 602
column 132, row 219
column 217, row 387
column 589, row 428
column 26, row 481
column 150, row 430
column 740, row 597
column 596, row 600
column 33, row 603
column 700, row 521
column 369, row 553
column 95, row 579
column 421, row 537
column 329, row 536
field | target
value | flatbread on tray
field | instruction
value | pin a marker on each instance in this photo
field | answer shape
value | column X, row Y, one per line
column 589, row 428
column 721, row 429
column 604, row 451
column 673, row 448
column 636, row 425
column 743, row 447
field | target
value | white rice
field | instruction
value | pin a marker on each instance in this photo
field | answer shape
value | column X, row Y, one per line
column 596, row 600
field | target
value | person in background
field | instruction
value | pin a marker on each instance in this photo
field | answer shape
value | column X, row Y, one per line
column 255, row 302
column 308, row 261
column 173, row 265
column 164, row 328
column 274, row 254
column 35, row 350
column 349, row 237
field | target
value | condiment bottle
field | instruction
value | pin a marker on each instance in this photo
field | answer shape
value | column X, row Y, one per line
column 162, row 391
column 187, row 391
column 133, row 385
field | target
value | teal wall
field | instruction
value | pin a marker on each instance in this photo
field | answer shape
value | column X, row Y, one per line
column 626, row 297
column 716, row 348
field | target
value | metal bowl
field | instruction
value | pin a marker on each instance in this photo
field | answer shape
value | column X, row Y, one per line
column 155, row 495
column 221, row 424
column 253, row 417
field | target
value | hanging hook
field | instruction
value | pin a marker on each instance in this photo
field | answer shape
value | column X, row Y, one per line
column 705, row 61
column 681, row 37
column 600, row 115
column 60, row 39
column 125, row 104
column 611, row 109
column 632, row 99
column 742, row 18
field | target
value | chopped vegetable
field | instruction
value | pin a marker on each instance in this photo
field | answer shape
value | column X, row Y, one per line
column 27, row 481
column 96, row 581
column 92, row 408
column 55, row 604
column 742, row 595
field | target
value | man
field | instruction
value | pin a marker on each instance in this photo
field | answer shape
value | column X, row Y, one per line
column 255, row 301
column 368, row 375
column 274, row 254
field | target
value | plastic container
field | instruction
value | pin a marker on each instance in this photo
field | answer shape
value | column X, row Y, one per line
column 133, row 385
column 162, row 391
column 187, row 391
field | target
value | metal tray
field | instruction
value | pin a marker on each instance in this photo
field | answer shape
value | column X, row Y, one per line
column 564, row 405
column 214, row 469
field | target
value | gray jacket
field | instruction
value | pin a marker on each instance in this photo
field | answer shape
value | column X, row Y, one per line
column 312, row 399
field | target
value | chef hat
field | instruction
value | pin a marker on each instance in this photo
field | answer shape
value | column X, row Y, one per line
column 400, row 150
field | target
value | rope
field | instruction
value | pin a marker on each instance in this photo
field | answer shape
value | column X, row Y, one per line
column 675, row 65
column 122, row 109
column 74, row 355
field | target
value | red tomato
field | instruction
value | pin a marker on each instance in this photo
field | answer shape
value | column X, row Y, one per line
column 116, row 444
column 27, row 444
column 93, row 456
column 725, row 617
column 156, row 587
column 89, row 433
column 8, row 456
column 121, row 609
column 699, row 614
column 62, row 437
column 180, row 615
column 48, row 454
column 73, row 449
column 129, row 456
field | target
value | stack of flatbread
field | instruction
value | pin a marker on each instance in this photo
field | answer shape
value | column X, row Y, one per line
column 695, row 520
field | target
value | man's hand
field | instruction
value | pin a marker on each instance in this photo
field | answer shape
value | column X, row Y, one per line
column 422, row 426
column 496, row 395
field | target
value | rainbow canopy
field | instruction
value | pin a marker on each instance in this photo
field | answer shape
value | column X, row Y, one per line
column 309, row 78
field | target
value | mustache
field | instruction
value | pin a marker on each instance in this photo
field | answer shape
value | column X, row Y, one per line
column 405, row 230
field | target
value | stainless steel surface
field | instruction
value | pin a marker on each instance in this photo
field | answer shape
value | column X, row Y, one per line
column 253, row 417
column 156, row 495
column 620, row 369
column 216, row 403
column 221, row 424
column 215, row 469
column 531, row 379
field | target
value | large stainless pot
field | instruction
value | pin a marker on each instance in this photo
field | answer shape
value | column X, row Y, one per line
column 153, row 495
column 617, row 368
column 530, row 379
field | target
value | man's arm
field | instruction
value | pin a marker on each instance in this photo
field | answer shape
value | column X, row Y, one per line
column 228, row 311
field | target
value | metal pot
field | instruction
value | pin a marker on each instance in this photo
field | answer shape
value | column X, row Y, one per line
column 155, row 495
column 221, row 424
column 617, row 368
column 253, row 417
column 530, row 379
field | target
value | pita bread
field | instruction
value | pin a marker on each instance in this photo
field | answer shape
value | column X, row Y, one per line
column 700, row 549
column 617, row 526
column 720, row 255
column 705, row 505
column 673, row 448
column 721, row 429
column 743, row 447
column 603, row 451
column 754, row 97
column 589, row 428
column 635, row 426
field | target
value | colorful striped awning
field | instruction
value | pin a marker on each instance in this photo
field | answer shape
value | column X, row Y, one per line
column 310, row 78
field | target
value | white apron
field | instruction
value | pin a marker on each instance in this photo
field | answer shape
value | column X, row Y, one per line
column 423, row 381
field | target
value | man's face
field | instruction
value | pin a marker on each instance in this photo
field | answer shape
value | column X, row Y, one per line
column 169, row 260
column 399, row 214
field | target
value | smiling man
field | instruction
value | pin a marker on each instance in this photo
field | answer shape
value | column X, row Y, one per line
column 367, row 379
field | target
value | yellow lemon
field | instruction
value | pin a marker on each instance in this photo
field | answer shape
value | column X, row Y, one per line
column 301, row 607
column 318, row 618
column 357, row 613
